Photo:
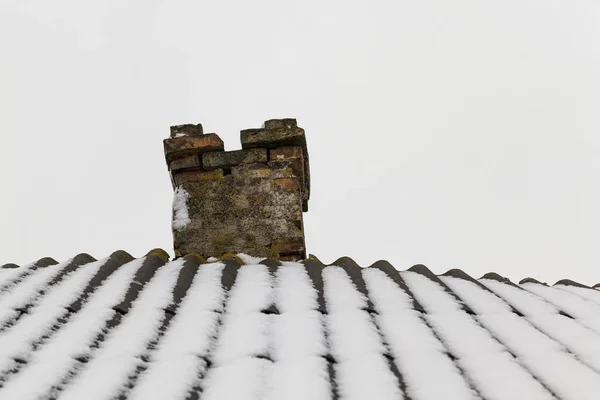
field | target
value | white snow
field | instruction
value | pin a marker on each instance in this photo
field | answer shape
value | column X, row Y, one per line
column 17, row 340
column 419, row 355
column 297, row 339
column 249, row 260
column 362, row 372
column 181, row 217
column 242, row 379
column 106, row 372
column 524, row 301
column 9, row 275
column 243, row 335
column 485, row 361
column 294, row 290
column 50, row 363
column 251, row 293
column 589, row 294
column 294, row 339
column 176, row 364
column 28, row 290
column 547, row 359
column 583, row 342
column 242, row 352
column 585, row 311
column 299, row 379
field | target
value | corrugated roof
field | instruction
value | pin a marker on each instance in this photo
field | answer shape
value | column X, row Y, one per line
column 246, row 328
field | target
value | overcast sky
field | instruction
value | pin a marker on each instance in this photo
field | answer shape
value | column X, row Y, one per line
column 457, row 134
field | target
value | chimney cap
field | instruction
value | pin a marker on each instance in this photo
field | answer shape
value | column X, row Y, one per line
column 275, row 133
column 187, row 129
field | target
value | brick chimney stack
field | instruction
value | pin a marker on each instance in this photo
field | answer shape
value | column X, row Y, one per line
column 243, row 201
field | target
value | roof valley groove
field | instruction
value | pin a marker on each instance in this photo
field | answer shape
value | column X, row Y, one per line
column 394, row 274
column 228, row 277
column 142, row 275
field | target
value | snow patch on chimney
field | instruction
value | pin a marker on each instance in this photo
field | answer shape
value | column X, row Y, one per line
column 181, row 217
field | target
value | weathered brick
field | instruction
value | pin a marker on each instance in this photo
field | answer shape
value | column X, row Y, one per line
column 198, row 176
column 257, row 170
column 227, row 159
column 288, row 168
column 275, row 137
column 183, row 146
column 284, row 153
column 281, row 169
column 291, row 257
column 187, row 129
column 289, row 245
column 290, row 184
column 277, row 134
column 192, row 161
column 281, row 123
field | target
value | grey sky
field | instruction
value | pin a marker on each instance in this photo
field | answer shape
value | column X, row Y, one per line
column 458, row 134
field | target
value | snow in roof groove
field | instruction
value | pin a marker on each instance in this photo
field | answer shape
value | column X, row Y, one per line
column 426, row 272
column 181, row 354
column 19, row 342
column 298, row 344
column 581, row 341
column 354, row 271
column 304, row 329
column 16, row 302
column 73, row 340
column 314, row 271
column 478, row 351
column 587, row 293
column 459, row 387
column 11, row 278
column 143, row 270
column 228, row 276
column 483, row 303
column 56, row 274
column 394, row 275
column 584, row 310
column 116, row 259
column 107, row 371
column 419, row 353
column 184, row 280
column 147, row 270
column 362, row 370
column 294, row 311
column 460, row 274
column 247, row 359
column 532, row 347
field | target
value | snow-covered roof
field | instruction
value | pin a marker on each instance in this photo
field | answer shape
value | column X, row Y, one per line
column 246, row 328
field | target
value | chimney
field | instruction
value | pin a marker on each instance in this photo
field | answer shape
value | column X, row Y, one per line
column 244, row 201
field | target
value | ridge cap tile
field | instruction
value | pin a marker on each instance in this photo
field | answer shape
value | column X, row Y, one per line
column 495, row 277
column 532, row 280
column 569, row 282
